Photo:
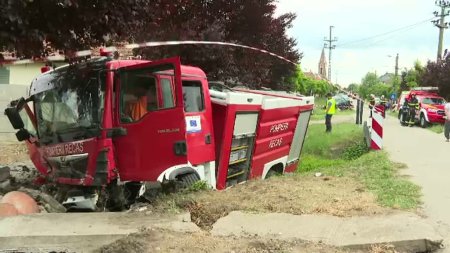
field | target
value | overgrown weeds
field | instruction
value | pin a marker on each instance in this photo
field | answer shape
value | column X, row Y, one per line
column 346, row 155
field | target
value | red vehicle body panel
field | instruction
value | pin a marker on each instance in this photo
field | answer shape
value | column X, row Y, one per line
column 274, row 135
column 201, row 144
column 224, row 136
column 153, row 137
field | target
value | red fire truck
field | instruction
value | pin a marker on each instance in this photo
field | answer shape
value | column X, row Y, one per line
column 103, row 127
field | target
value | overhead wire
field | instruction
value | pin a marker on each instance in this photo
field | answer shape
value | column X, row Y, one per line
column 405, row 28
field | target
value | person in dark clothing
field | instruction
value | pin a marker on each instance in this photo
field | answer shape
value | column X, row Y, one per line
column 413, row 106
column 371, row 104
column 405, row 113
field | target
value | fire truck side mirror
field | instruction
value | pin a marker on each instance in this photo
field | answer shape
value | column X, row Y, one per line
column 23, row 135
column 14, row 117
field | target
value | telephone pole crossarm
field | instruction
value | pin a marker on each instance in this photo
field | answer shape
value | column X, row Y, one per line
column 440, row 23
column 329, row 44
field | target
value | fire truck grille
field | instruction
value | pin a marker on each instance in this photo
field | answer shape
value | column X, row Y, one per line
column 441, row 112
column 71, row 166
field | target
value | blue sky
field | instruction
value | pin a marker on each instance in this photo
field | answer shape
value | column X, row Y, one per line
column 358, row 19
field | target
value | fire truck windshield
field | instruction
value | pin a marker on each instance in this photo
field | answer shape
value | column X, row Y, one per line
column 73, row 108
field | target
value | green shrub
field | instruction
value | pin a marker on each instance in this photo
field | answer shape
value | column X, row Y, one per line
column 355, row 150
column 199, row 186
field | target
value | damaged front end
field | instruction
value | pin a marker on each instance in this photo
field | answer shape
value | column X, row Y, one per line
column 63, row 124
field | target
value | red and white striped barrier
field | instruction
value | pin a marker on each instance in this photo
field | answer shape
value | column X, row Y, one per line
column 376, row 128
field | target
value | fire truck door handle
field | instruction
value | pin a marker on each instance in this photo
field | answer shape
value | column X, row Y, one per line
column 208, row 139
column 180, row 148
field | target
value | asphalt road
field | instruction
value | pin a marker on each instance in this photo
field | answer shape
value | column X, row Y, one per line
column 427, row 156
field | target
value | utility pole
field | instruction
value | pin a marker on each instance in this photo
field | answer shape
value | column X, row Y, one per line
column 330, row 47
column 440, row 23
column 396, row 66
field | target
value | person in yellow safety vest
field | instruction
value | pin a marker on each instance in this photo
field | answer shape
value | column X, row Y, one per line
column 330, row 111
column 413, row 106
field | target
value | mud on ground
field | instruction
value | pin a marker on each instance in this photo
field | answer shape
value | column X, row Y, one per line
column 12, row 153
column 167, row 241
column 202, row 242
column 294, row 194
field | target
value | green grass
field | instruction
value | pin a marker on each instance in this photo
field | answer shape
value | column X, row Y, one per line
column 325, row 153
column 319, row 143
column 319, row 112
column 437, row 128
column 393, row 114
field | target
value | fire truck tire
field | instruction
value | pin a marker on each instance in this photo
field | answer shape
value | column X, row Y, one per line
column 272, row 173
column 116, row 201
column 423, row 122
column 187, row 180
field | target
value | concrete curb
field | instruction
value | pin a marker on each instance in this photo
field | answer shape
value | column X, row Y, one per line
column 408, row 232
column 81, row 232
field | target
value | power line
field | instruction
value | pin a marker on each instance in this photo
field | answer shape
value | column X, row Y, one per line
column 377, row 42
column 385, row 33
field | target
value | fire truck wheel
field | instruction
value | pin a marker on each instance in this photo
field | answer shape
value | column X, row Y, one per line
column 423, row 121
column 272, row 173
column 187, row 180
column 116, row 200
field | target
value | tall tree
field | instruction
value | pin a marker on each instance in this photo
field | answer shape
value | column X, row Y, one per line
column 80, row 24
column 437, row 74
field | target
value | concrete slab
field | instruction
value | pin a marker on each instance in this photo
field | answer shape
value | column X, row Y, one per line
column 81, row 232
column 408, row 232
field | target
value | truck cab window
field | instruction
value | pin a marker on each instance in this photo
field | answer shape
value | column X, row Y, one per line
column 167, row 93
column 139, row 96
column 193, row 96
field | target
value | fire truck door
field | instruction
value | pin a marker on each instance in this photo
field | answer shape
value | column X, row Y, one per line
column 156, row 131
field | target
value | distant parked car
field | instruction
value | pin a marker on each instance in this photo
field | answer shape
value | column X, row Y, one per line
column 343, row 102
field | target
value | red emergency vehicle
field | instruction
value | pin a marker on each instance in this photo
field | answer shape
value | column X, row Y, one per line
column 431, row 105
column 103, row 127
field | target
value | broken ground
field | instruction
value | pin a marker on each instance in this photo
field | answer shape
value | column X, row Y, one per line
column 352, row 182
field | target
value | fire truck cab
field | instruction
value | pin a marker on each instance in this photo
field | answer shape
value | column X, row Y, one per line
column 101, row 128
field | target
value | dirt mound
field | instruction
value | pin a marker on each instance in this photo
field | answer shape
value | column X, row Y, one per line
column 166, row 241
column 296, row 194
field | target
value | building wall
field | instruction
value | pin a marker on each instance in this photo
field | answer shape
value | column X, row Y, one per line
column 23, row 74
column 18, row 83
column 8, row 93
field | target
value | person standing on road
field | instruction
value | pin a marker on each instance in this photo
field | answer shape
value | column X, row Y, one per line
column 447, row 121
column 371, row 104
column 413, row 106
column 331, row 110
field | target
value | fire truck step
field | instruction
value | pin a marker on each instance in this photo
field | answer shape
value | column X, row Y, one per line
column 236, row 174
column 239, row 148
column 238, row 161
